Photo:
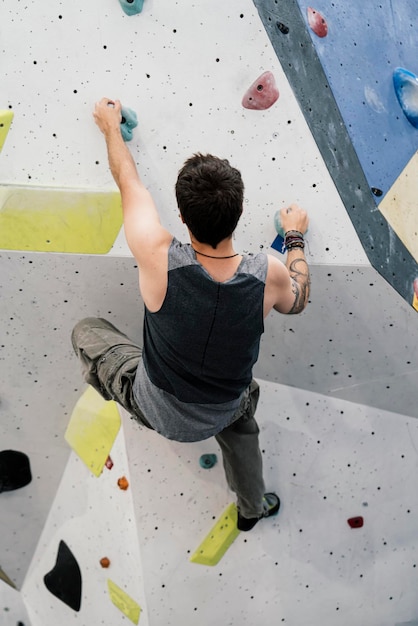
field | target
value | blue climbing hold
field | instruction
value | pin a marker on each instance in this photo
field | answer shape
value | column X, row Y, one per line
column 406, row 89
column 132, row 7
column 208, row 460
column 129, row 121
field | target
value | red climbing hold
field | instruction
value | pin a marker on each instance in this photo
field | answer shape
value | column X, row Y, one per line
column 262, row 94
column 109, row 463
column 355, row 522
column 317, row 23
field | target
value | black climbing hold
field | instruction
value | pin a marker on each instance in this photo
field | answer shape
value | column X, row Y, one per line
column 283, row 28
column 64, row 580
column 14, row 470
column 377, row 192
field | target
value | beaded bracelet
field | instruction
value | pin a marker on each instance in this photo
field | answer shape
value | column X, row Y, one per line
column 294, row 232
column 294, row 239
column 296, row 244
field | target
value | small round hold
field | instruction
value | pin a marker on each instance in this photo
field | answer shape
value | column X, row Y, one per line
column 123, row 483
column 208, row 460
column 105, row 562
column 377, row 192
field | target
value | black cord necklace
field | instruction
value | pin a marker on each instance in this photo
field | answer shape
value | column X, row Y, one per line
column 231, row 256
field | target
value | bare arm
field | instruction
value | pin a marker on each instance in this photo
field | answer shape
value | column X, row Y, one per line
column 287, row 286
column 299, row 273
column 143, row 229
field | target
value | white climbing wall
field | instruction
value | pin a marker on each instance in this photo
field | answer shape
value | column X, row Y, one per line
column 184, row 68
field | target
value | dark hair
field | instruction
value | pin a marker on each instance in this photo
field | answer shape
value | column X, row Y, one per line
column 210, row 194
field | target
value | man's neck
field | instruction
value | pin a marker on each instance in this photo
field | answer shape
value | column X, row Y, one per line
column 224, row 249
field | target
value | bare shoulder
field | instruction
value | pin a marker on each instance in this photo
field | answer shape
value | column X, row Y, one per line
column 287, row 286
column 278, row 284
column 277, row 272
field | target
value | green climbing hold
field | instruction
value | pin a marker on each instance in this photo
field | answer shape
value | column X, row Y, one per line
column 132, row 7
column 128, row 123
column 208, row 460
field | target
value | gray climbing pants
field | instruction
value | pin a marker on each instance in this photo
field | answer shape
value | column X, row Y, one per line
column 109, row 360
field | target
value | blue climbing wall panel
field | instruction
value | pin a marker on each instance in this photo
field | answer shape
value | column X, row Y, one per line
column 341, row 61
column 365, row 43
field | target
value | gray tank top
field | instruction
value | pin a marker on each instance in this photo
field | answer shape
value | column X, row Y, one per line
column 201, row 346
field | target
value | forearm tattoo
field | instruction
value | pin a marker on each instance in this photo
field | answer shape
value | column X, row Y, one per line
column 299, row 272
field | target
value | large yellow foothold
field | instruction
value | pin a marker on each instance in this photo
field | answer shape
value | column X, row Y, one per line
column 415, row 302
column 217, row 542
column 123, row 602
column 92, row 429
column 44, row 219
column 6, row 117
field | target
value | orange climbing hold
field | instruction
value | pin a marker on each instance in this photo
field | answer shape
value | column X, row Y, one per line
column 123, row 483
column 105, row 562
column 262, row 94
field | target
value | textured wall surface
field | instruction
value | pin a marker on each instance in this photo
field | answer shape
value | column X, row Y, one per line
column 346, row 367
column 353, row 113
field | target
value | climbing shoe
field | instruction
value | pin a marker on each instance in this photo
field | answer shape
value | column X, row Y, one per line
column 271, row 506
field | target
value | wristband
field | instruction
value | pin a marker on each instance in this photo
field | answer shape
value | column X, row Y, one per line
column 294, row 239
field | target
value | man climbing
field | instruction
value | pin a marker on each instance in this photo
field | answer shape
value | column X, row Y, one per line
column 204, row 311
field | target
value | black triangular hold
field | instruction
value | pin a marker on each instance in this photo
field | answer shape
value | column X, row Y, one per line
column 64, row 580
column 14, row 470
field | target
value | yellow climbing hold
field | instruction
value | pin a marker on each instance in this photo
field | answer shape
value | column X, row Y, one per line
column 123, row 602
column 415, row 302
column 44, row 219
column 92, row 429
column 217, row 542
column 6, row 117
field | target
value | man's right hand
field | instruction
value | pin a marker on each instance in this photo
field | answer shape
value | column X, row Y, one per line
column 294, row 218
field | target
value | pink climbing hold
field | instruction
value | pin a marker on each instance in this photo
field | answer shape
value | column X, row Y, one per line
column 416, row 287
column 262, row 94
column 317, row 22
